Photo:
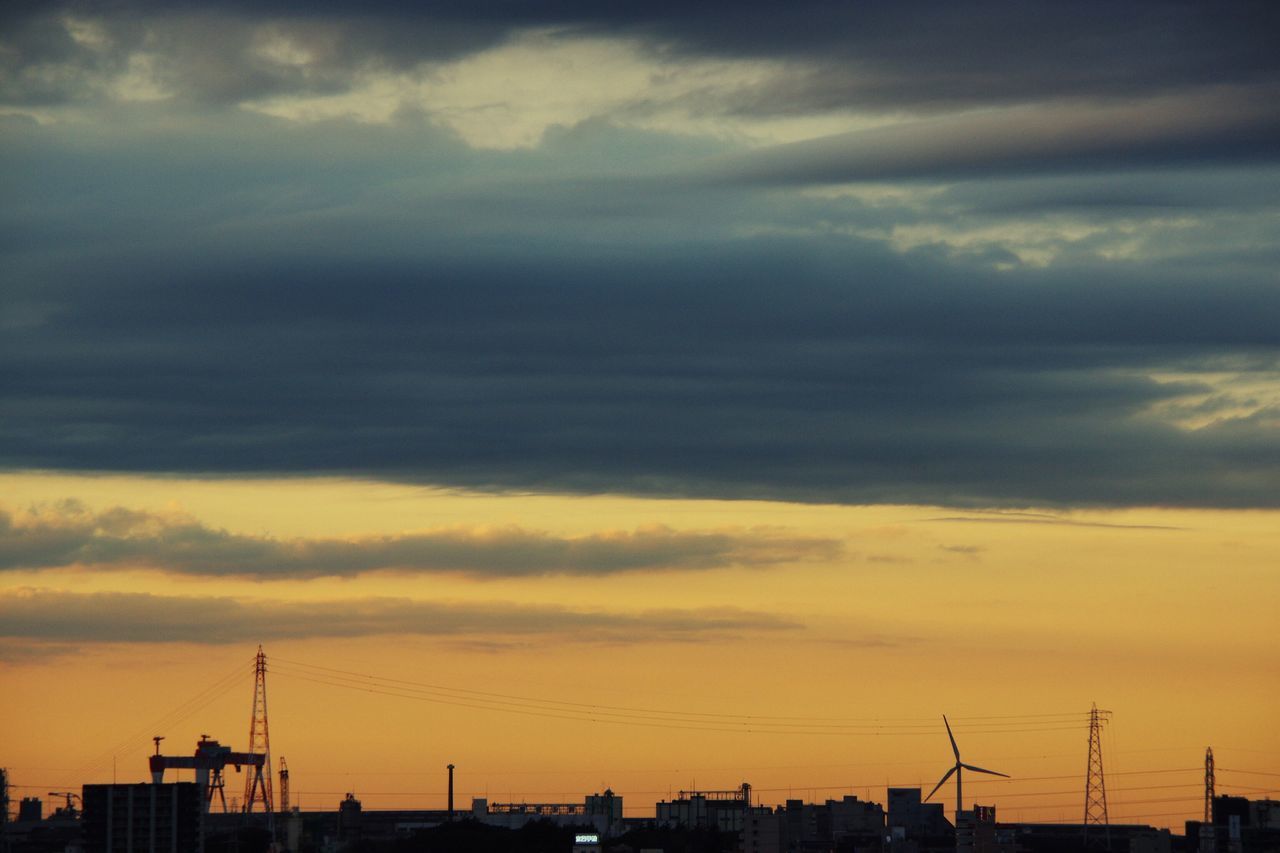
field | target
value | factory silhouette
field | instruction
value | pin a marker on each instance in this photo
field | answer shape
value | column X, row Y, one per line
column 197, row 817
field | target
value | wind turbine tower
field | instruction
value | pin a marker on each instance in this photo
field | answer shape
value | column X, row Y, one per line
column 958, row 769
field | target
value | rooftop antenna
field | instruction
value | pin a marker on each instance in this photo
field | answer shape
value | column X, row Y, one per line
column 70, row 810
column 958, row 769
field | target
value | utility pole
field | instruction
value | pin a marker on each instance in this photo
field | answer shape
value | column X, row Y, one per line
column 1095, row 786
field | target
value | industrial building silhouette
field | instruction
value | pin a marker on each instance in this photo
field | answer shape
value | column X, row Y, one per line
column 194, row 817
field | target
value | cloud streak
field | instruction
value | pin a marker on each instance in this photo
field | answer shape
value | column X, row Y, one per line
column 65, row 618
column 1222, row 126
column 69, row 535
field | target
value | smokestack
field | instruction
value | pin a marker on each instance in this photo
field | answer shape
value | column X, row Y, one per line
column 450, row 792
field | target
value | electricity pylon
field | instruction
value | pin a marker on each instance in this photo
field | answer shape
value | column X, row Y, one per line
column 1095, row 786
column 1208, row 832
column 1208, row 785
column 257, row 784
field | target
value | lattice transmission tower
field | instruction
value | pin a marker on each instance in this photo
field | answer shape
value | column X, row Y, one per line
column 284, row 786
column 4, row 805
column 1095, row 786
column 257, row 784
column 1208, row 834
column 1208, row 785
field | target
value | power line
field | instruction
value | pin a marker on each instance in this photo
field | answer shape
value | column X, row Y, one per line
column 739, row 726
column 807, row 787
column 179, row 713
column 1194, row 798
column 1077, row 775
column 705, row 721
column 897, row 722
column 1244, row 749
column 523, row 712
column 500, row 772
column 542, row 794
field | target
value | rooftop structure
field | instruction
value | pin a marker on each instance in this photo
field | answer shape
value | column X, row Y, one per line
column 600, row 812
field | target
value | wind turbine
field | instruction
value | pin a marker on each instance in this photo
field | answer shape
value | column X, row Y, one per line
column 958, row 769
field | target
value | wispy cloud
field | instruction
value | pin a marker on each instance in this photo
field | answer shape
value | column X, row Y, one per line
column 65, row 618
column 68, row 534
column 1042, row 518
column 1228, row 126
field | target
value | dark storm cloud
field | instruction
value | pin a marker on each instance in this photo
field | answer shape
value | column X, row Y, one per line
column 212, row 54
column 118, row 617
column 806, row 369
column 208, row 304
column 192, row 289
column 929, row 56
column 69, row 535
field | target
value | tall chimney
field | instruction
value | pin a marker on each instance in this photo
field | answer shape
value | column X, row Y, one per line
column 450, row 792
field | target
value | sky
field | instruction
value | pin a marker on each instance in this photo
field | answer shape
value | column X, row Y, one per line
column 647, row 396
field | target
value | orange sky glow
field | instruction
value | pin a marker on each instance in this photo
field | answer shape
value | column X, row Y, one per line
column 826, row 675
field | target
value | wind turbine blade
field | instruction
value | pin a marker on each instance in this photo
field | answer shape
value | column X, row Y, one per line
column 980, row 770
column 954, row 748
column 939, row 785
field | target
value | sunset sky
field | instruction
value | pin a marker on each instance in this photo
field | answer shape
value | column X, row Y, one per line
column 644, row 396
